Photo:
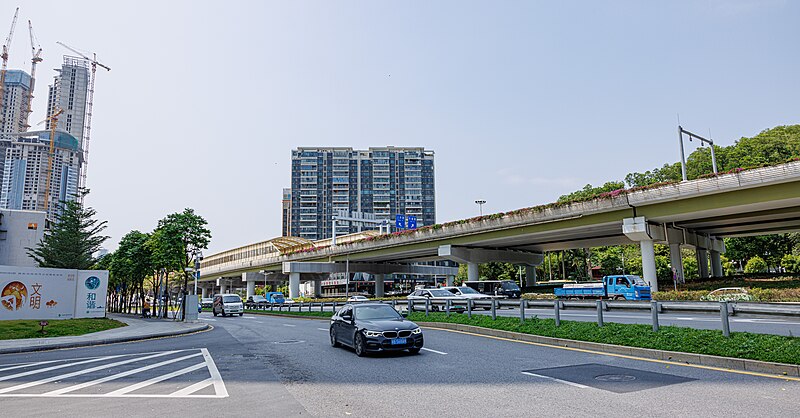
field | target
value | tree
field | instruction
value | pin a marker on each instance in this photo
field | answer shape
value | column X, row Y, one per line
column 73, row 239
column 133, row 260
column 755, row 265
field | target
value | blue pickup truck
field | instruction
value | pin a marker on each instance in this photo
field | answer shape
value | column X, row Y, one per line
column 622, row 287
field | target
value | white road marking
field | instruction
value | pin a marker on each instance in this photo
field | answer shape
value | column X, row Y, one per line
column 219, row 385
column 288, row 325
column 323, row 329
column 47, row 369
column 208, row 319
column 23, row 365
column 193, row 388
column 156, row 379
column 434, row 351
column 119, row 375
column 577, row 385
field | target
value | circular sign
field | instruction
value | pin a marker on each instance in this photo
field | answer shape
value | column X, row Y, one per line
column 92, row 283
column 14, row 296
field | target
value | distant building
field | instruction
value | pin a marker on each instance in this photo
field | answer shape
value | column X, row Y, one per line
column 286, row 211
column 20, row 230
column 69, row 92
column 385, row 181
column 24, row 175
column 16, row 95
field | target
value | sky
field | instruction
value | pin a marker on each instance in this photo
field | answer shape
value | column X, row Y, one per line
column 521, row 101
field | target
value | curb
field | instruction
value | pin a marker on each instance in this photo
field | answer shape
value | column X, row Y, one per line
column 322, row 318
column 76, row 344
column 647, row 353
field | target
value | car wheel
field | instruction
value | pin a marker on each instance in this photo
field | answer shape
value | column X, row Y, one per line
column 241, row 313
column 223, row 313
column 215, row 312
column 414, row 350
column 334, row 342
column 359, row 345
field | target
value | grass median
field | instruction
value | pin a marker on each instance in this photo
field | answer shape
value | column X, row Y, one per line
column 30, row 328
column 762, row 347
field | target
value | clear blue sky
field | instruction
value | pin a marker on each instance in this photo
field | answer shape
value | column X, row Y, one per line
column 522, row 101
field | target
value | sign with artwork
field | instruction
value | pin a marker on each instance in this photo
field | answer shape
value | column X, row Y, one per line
column 43, row 293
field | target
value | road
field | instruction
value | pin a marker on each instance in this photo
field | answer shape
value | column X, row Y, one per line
column 275, row 366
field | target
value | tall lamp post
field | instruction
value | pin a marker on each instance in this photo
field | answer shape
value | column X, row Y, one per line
column 480, row 203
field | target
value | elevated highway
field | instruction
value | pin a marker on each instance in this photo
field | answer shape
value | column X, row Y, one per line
column 695, row 213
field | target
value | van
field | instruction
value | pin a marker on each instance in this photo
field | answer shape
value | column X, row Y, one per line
column 498, row 288
column 227, row 304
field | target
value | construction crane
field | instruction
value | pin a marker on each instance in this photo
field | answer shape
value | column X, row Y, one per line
column 36, row 52
column 6, row 48
column 53, row 121
column 88, row 127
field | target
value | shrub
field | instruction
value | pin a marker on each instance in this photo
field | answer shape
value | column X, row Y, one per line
column 755, row 265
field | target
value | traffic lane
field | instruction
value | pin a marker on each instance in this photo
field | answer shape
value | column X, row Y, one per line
column 246, row 376
column 739, row 323
column 480, row 374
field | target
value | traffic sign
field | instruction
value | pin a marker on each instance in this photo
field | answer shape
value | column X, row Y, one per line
column 400, row 221
column 412, row 222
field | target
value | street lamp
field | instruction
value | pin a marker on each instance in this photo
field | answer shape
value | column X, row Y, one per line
column 480, row 203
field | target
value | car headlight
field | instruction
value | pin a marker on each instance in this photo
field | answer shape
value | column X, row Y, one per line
column 417, row 331
column 373, row 333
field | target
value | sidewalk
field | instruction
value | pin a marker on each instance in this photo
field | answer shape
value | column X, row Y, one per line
column 137, row 329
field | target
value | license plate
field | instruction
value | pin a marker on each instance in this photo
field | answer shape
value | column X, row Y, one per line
column 398, row 341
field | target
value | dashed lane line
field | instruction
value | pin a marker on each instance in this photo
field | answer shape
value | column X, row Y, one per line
column 577, row 385
column 434, row 351
column 289, row 325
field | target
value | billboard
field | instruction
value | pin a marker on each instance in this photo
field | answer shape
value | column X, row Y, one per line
column 43, row 293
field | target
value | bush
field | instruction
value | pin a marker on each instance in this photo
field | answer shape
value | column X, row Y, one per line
column 791, row 263
column 755, row 265
column 539, row 296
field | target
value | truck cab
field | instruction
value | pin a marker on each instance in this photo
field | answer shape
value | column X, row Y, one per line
column 628, row 287
column 275, row 297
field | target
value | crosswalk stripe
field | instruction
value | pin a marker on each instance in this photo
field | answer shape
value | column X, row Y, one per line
column 119, row 375
column 219, row 385
column 20, row 366
column 156, row 379
column 80, row 372
column 47, row 369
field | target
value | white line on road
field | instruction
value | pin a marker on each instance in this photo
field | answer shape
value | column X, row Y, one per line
column 288, row 325
column 47, row 369
column 577, row 385
column 219, row 385
column 208, row 319
column 23, row 365
column 322, row 329
column 156, row 379
column 434, row 351
column 193, row 388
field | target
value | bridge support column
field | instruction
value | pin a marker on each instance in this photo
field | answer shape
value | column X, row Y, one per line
column 702, row 262
column 223, row 288
column 716, row 264
column 203, row 292
column 530, row 275
column 676, row 261
column 472, row 272
column 649, row 264
column 451, row 280
column 317, row 288
column 379, row 288
column 294, row 285
column 251, row 288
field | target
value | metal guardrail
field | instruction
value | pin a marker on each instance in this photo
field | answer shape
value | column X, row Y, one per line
column 467, row 306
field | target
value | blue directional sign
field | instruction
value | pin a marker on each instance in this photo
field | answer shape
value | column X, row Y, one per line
column 412, row 222
column 400, row 221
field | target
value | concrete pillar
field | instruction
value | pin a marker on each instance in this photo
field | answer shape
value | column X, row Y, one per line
column 451, row 280
column 530, row 275
column 251, row 288
column 294, row 285
column 203, row 292
column 472, row 272
column 676, row 261
column 223, row 288
column 379, row 289
column 649, row 264
column 702, row 262
column 716, row 264
column 317, row 288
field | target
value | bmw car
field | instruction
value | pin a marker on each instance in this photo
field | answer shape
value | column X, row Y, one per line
column 374, row 327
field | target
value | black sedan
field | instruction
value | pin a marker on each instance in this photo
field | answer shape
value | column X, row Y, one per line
column 374, row 327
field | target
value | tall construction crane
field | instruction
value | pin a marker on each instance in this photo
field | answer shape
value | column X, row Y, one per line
column 36, row 52
column 53, row 121
column 6, row 48
column 88, row 127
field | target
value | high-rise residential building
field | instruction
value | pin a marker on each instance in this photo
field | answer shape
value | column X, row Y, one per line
column 384, row 181
column 16, row 95
column 286, row 212
column 25, row 169
column 69, row 92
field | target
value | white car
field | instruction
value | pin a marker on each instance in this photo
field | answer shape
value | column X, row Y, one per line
column 357, row 298
column 465, row 292
column 456, row 302
column 288, row 300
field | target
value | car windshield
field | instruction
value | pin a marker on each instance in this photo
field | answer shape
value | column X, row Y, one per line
column 510, row 286
column 468, row 290
column 376, row 312
column 638, row 280
column 231, row 299
column 259, row 298
column 440, row 293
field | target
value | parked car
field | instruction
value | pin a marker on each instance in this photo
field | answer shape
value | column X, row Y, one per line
column 227, row 304
column 374, row 327
column 499, row 288
column 465, row 292
column 457, row 303
column 256, row 300
column 357, row 298
column 728, row 294
column 206, row 302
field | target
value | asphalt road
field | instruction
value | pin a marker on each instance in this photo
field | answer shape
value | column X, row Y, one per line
column 275, row 366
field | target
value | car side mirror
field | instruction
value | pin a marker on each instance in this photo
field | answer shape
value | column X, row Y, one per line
column 405, row 314
column 347, row 317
